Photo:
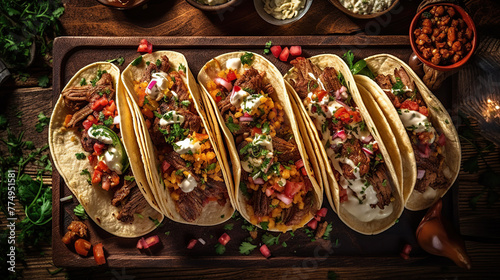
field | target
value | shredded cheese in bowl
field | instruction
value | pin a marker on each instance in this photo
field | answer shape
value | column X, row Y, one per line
column 283, row 9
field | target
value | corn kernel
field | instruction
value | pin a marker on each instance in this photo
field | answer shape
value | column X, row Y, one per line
column 285, row 174
column 238, row 114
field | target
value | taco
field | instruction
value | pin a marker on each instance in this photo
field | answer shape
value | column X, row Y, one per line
column 88, row 151
column 423, row 122
column 364, row 182
column 275, row 186
column 184, row 159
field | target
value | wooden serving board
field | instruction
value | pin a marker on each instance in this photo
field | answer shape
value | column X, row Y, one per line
column 345, row 247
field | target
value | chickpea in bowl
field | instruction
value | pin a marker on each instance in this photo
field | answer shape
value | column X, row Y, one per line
column 443, row 36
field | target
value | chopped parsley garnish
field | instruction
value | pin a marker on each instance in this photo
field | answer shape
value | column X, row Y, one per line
column 158, row 62
column 98, row 77
column 120, row 60
column 83, row 82
column 42, row 122
column 231, row 125
column 398, row 87
column 342, row 79
column 80, row 156
column 137, row 61
column 181, row 68
column 155, row 221
column 264, row 225
column 129, row 178
column 228, row 226
column 146, row 101
column 246, row 248
column 269, row 240
column 384, row 183
column 267, row 47
column 362, row 125
column 211, row 166
column 185, row 103
column 446, row 121
column 265, row 128
column 86, row 172
column 249, row 90
column 247, row 58
column 108, row 122
column 319, row 111
column 244, row 189
column 328, row 230
column 220, row 249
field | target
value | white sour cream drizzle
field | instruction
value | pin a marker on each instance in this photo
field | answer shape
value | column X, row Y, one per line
column 416, row 122
column 188, row 184
column 359, row 204
column 171, row 117
column 233, row 63
column 112, row 157
column 161, row 81
column 252, row 163
column 238, row 97
column 186, row 145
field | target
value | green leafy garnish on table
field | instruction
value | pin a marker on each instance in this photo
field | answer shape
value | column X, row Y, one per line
column 269, row 239
column 80, row 212
column 359, row 67
column 246, row 248
column 120, row 60
column 220, row 249
column 267, row 48
column 42, row 122
column 247, row 58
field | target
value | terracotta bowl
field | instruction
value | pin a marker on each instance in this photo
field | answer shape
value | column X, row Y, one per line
column 215, row 8
column 468, row 21
column 339, row 6
column 130, row 4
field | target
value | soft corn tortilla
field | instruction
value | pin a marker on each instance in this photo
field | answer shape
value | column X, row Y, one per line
column 394, row 171
column 208, row 73
column 212, row 213
column 64, row 143
column 438, row 116
column 397, row 141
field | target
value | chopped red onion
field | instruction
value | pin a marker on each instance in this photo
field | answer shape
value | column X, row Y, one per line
column 224, row 83
column 269, row 165
column 343, row 104
column 367, row 139
column 368, row 152
column 340, row 134
column 420, row 174
column 343, row 89
column 151, row 84
column 284, row 198
column 258, row 181
column 269, row 191
column 246, row 119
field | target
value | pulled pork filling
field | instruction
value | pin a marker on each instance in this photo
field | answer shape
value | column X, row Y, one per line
column 357, row 163
column 427, row 143
column 188, row 162
column 94, row 113
column 273, row 177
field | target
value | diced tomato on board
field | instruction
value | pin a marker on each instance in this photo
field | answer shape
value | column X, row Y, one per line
column 145, row 46
column 284, row 54
column 276, row 50
column 295, row 50
column 265, row 251
column 224, row 239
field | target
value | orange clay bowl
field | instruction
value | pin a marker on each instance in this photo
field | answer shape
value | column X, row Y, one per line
column 339, row 6
column 468, row 21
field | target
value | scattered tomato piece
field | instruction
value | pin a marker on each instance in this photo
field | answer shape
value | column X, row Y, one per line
column 99, row 254
column 140, row 243
column 284, row 54
column 313, row 224
column 192, row 243
column 224, row 239
column 405, row 253
column 276, row 50
column 265, row 251
column 322, row 212
column 295, row 50
column 145, row 46
column 82, row 247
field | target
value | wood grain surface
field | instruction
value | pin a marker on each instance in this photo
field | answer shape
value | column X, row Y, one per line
column 176, row 18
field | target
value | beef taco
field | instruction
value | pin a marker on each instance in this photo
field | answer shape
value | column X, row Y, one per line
column 422, row 121
column 364, row 180
column 88, row 151
column 184, row 159
column 276, row 188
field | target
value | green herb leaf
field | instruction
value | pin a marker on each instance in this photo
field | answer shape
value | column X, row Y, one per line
column 228, row 226
column 181, row 68
column 120, row 60
column 246, row 248
column 247, row 58
column 231, row 125
column 264, row 225
column 42, row 122
column 129, row 178
column 80, row 212
column 80, row 156
column 220, row 249
column 269, row 239
column 137, row 61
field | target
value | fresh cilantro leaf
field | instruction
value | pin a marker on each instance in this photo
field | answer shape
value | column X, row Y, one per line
column 181, row 68
column 269, row 240
column 80, row 212
column 83, row 82
column 228, row 226
column 264, row 225
column 129, row 178
column 120, row 60
column 220, row 249
column 246, row 248
column 80, row 156
column 137, row 61
column 42, row 122
column 328, row 230
column 155, row 221
column 247, row 58
column 231, row 125
column 85, row 172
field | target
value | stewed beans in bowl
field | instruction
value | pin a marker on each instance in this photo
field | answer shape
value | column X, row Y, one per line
column 443, row 35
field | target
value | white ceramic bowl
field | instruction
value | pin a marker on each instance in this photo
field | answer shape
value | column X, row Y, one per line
column 259, row 6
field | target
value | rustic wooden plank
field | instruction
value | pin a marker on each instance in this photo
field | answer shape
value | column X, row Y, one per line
column 176, row 18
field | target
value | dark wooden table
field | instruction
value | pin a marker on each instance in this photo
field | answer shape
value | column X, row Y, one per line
column 480, row 227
